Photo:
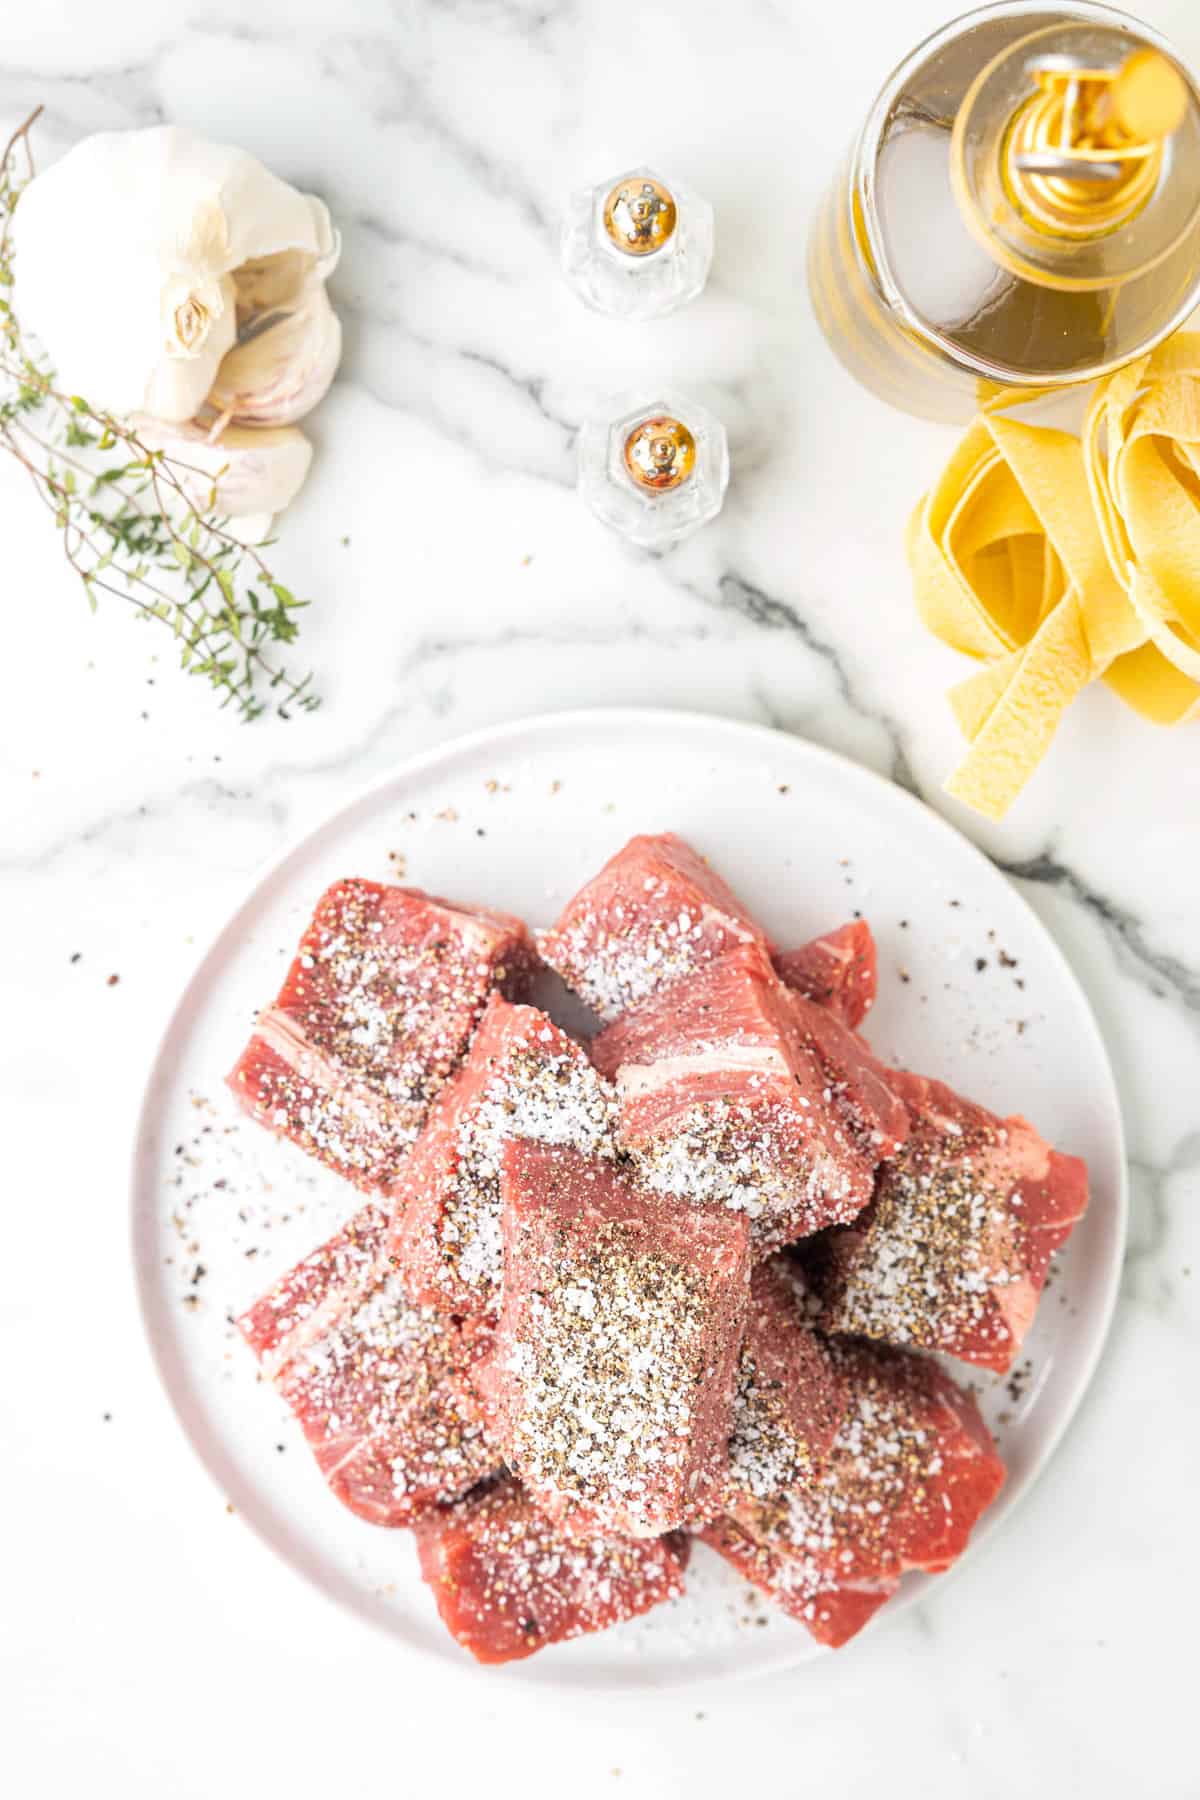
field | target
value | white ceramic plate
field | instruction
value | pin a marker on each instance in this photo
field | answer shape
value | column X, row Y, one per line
column 971, row 988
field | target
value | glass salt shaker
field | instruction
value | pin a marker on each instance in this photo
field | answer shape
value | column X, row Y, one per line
column 1020, row 212
column 655, row 472
column 637, row 247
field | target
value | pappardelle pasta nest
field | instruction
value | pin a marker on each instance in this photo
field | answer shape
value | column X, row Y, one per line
column 1055, row 561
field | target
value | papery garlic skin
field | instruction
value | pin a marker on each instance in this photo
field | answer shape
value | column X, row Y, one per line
column 160, row 220
column 278, row 376
column 241, row 474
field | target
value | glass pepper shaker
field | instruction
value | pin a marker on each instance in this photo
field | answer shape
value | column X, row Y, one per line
column 637, row 247
column 1020, row 212
column 654, row 471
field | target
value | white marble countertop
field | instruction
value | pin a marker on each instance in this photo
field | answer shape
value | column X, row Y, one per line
column 151, row 1646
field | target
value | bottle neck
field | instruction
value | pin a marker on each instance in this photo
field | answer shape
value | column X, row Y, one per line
column 1070, row 170
column 1047, row 173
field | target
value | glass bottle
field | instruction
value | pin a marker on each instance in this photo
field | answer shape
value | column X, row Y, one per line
column 1021, row 210
column 655, row 471
column 637, row 247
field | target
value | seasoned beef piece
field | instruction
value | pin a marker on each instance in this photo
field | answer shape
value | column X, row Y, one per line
column 376, row 1011
column 861, row 1090
column 739, row 1093
column 522, row 1078
column 952, row 1253
column 651, row 917
column 789, row 1399
column 610, row 1380
column 911, row 1469
column 380, row 1387
column 839, row 971
column 508, row 1582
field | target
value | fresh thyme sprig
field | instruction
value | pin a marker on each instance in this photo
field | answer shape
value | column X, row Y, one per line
column 130, row 523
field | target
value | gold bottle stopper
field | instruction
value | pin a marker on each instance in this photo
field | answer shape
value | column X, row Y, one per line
column 1085, row 151
column 660, row 454
column 640, row 216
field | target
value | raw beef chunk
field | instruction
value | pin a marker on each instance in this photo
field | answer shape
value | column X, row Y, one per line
column 508, row 1582
column 859, row 1088
column 910, row 1472
column 328, row 1283
column 839, row 970
column 610, row 1381
column 375, row 1013
column 652, row 915
column 737, row 1092
column 523, row 1078
column 380, row 1386
column 953, row 1251
column 789, row 1399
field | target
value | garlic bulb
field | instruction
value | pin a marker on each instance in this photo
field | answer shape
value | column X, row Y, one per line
column 165, row 223
column 278, row 373
column 242, row 474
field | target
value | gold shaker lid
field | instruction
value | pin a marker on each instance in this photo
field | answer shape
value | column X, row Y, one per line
column 660, row 454
column 640, row 215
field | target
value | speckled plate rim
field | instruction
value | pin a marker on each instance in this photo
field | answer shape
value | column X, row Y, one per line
column 254, row 1508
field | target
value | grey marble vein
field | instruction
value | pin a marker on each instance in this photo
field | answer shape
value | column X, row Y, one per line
column 366, row 223
column 1152, row 1206
column 744, row 600
column 534, row 388
column 210, row 796
column 1164, row 974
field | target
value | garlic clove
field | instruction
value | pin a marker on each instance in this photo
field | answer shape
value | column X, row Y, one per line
column 265, row 214
column 278, row 375
column 161, row 219
column 266, row 283
column 241, row 473
column 270, row 282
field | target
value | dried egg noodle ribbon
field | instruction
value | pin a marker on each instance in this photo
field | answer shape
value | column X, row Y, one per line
column 1010, row 567
column 1142, row 454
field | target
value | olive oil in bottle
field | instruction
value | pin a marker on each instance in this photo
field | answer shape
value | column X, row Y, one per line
column 1020, row 212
